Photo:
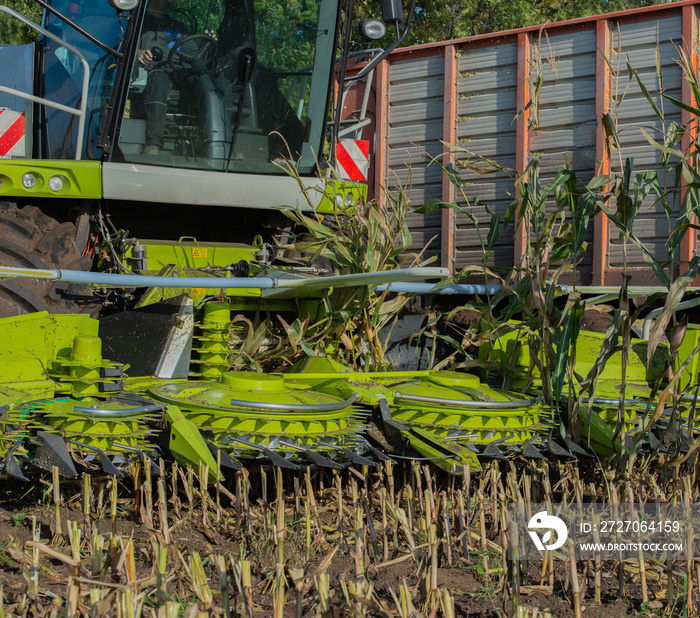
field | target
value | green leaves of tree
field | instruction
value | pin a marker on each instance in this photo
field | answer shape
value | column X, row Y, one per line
column 439, row 21
column 14, row 32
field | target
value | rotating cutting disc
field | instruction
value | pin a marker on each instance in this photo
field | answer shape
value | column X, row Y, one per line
column 458, row 406
column 115, row 425
column 261, row 409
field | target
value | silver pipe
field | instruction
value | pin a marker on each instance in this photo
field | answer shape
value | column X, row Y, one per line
column 139, row 281
column 651, row 316
column 115, row 413
column 487, row 405
column 601, row 298
column 296, row 407
column 370, row 278
column 464, row 289
column 468, row 289
column 609, row 401
column 633, row 290
column 355, row 127
column 306, row 284
column 30, row 97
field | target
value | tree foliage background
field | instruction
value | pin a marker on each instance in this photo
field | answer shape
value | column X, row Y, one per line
column 435, row 20
column 441, row 20
column 14, row 32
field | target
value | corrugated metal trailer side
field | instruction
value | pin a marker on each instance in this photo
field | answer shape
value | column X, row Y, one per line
column 645, row 44
column 474, row 93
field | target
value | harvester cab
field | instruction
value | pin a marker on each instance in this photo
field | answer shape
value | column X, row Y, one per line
column 220, row 98
column 228, row 86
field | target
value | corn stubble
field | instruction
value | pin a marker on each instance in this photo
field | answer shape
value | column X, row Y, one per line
column 398, row 540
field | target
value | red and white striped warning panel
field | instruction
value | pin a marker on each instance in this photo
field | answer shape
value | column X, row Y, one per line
column 353, row 158
column 11, row 133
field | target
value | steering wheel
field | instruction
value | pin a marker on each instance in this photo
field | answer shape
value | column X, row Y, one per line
column 206, row 49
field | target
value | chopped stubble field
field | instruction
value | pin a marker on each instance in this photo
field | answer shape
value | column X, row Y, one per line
column 395, row 540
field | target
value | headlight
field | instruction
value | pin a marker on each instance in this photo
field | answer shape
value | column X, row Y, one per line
column 372, row 28
column 55, row 183
column 349, row 200
column 28, row 180
column 124, row 5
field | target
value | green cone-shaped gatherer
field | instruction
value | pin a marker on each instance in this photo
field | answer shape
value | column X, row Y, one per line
column 186, row 443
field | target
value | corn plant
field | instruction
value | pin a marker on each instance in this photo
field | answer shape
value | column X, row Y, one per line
column 553, row 218
column 367, row 239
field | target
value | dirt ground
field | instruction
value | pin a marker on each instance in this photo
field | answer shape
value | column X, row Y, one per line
column 222, row 531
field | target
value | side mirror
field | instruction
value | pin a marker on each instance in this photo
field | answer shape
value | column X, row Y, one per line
column 392, row 11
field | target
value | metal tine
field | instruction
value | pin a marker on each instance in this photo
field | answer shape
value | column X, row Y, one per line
column 12, row 467
column 52, row 451
column 493, row 452
column 655, row 443
column 317, row 458
column 226, row 460
column 557, row 449
column 378, row 454
column 107, row 466
column 576, row 450
column 530, row 451
column 143, row 457
column 355, row 458
column 274, row 458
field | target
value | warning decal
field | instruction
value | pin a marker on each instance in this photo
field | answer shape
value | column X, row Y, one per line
column 353, row 158
column 11, row 134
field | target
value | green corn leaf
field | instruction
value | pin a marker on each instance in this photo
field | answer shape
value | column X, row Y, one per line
column 434, row 205
column 610, row 129
column 493, row 236
column 674, row 152
column 453, row 175
column 633, row 73
column 674, row 296
column 688, row 108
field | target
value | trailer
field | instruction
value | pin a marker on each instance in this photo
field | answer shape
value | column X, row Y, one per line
column 474, row 93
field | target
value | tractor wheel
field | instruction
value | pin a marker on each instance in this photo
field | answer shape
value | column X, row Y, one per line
column 29, row 238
